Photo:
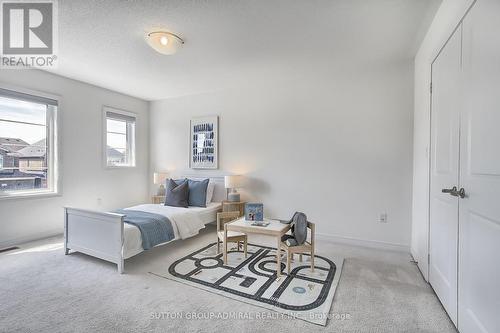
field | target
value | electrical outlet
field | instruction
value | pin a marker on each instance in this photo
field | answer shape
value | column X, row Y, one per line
column 99, row 201
column 382, row 218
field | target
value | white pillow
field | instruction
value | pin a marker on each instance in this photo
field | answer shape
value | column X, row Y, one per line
column 210, row 192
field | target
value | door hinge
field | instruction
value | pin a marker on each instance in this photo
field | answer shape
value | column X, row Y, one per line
column 430, row 88
column 428, row 258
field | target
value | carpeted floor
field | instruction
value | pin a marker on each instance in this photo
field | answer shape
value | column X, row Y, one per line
column 44, row 291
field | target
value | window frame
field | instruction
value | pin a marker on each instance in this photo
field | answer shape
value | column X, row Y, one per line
column 54, row 175
column 130, row 145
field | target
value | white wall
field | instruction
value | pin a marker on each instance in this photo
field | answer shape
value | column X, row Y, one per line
column 447, row 18
column 333, row 143
column 83, row 177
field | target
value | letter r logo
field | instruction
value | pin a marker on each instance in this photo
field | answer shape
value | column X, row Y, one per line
column 27, row 27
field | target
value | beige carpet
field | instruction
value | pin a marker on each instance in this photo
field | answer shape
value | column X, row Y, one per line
column 44, row 291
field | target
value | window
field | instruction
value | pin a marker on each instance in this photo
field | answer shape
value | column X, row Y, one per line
column 119, row 138
column 27, row 144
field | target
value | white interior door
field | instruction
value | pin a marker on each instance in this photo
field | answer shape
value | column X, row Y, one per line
column 445, row 115
column 479, row 243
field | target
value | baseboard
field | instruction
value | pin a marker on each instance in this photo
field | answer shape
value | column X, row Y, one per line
column 30, row 238
column 415, row 255
column 363, row 242
column 422, row 264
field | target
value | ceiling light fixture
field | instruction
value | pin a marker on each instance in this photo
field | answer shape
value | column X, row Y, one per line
column 164, row 42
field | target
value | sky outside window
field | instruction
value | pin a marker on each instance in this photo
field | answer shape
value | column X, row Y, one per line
column 30, row 118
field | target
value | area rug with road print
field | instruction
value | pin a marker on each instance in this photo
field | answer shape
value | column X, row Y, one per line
column 303, row 294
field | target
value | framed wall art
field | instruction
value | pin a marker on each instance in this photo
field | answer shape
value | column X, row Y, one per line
column 203, row 144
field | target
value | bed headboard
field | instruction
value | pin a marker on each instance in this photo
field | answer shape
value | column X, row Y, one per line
column 219, row 190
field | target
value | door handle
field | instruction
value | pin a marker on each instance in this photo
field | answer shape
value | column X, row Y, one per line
column 452, row 191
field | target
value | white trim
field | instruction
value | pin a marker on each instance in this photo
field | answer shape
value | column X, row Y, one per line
column 130, row 145
column 363, row 242
column 53, row 142
column 31, row 238
column 30, row 195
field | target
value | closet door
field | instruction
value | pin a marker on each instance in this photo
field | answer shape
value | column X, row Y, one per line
column 479, row 243
column 445, row 115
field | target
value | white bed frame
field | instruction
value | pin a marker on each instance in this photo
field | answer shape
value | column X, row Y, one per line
column 100, row 234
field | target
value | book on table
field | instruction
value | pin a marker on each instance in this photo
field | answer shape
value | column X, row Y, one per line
column 260, row 223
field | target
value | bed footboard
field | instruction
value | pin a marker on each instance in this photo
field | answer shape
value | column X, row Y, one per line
column 94, row 233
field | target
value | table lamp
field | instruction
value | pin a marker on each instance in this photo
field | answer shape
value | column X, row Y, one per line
column 159, row 178
column 232, row 183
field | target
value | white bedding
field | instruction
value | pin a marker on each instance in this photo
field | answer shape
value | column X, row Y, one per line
column 186, row 222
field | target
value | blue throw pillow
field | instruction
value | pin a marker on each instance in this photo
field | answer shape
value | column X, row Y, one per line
column 177, row 194
column 198, row 192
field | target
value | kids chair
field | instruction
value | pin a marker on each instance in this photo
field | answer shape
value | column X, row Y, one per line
column 297, row 242
column 232, row 236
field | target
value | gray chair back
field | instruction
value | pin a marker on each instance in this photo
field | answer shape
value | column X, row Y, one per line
column 299, row 229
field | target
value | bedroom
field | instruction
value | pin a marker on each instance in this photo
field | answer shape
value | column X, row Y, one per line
column 320, row 107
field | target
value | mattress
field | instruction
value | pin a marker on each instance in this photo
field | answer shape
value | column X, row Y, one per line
column 186, row 223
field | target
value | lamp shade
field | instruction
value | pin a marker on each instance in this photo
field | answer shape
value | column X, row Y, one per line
column 233, row 181
column 159, row 177
column 164, row 42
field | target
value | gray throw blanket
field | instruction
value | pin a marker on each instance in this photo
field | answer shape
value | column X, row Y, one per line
column 155, row 229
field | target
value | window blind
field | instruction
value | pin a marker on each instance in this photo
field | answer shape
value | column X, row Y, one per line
column 27, row 97
column 119, row 116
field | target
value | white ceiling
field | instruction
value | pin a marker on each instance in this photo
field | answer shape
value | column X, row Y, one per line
column 102, row 42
